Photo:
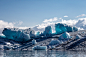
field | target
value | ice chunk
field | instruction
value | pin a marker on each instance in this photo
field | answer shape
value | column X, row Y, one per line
column 29, row 31
column 61, row 28
column 48, row 30
column 8, row 43
column 54, row 42
column 65, row 36
column 1, row 47
column 16, row 34
column 38, row 33
column 34, row 42
column 2, row 36
column 39, row 48
column 7, row 47
column 78, row 37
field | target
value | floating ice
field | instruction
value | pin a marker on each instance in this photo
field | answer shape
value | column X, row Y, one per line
column 78, row 37
column 52, row 47
column 39, row 48
column 48, row 30
column 29, row 31
column 61, row 28
column 1, row 47
column 65, row 36
column 7, row 47
column 2, row 36
column 38, row 33
column 17, row 34
column 54, row 42
column 34, row 42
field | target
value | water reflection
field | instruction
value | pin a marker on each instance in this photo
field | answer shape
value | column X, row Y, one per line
column 42, row 53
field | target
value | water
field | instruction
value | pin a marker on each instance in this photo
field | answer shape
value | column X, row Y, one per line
column 41, row 53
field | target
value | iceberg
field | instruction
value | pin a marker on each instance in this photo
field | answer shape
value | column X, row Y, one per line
column 39, row 47
column 34, row 42
column 7, row 47
column 1, row 47
column 61, row 28
column 30, row 31
column 2, row 36
column 48, row 31
column 65, row 36
column 18, row 34
column 77, row 37
column 38, row 33
column 54, row 42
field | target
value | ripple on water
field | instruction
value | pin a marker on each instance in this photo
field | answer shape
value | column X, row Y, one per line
column 42, row 53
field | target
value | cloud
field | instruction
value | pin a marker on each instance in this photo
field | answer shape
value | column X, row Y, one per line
column 81, row 15
column 60, row 18
column 80, row 23
column 4, row 24
column 65, row 16
column 23, row 27
column 17, row 23
column 41, row 27
column 20, row 23
column 69, row 22
column 50, row 20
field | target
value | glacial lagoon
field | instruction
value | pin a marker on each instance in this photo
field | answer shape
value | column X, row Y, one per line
column 42, row 53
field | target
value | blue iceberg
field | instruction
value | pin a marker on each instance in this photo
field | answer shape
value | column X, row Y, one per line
column 18, row 34
column 61, row 28
column 64, row 37
column 77, row 37
column 48, row 30
column 39, row 48
column 34, row 42
column 38, row 33
column 54, row 42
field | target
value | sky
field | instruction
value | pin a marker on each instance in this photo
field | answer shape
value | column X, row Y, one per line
column 30, row 13
column 34, row 12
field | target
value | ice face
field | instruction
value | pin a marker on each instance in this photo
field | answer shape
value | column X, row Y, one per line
column 54, row 42
column 30, row 32
column 18, row 35
column 39, row 48
column 38, row 33
column 34, row 42
column 78, row 37
column 48, row 30
column 61, row 28
column 65, row 36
